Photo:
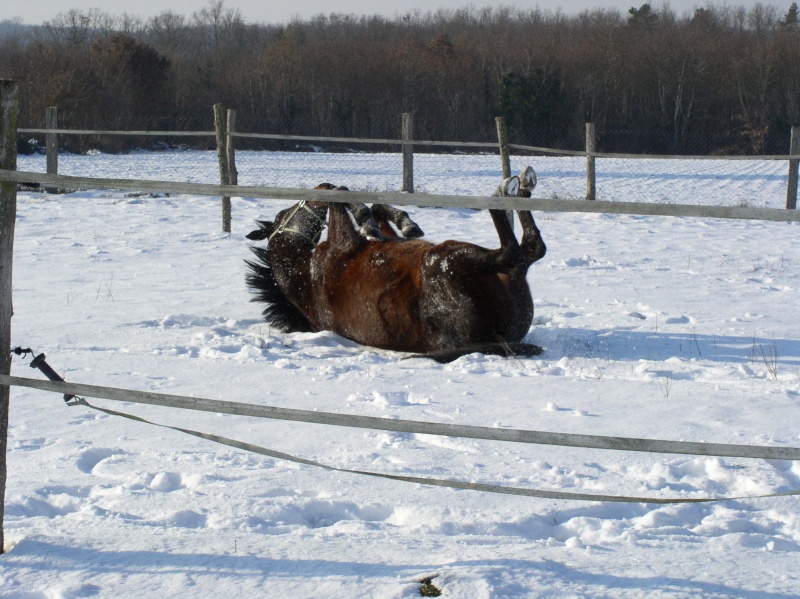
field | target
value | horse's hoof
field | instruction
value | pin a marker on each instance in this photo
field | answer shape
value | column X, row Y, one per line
column 412, row 231
column 528, row 178
column 371, row 233
column 508, row 188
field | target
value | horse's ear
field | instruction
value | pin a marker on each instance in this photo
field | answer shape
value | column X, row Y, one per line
column 265, row 230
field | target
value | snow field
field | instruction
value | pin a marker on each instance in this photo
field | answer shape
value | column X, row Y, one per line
column 680, row 329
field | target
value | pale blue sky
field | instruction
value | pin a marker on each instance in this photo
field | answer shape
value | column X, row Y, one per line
column 278, row 11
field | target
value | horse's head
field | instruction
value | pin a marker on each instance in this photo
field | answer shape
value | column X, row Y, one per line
column 305, row 220
column 300, row 221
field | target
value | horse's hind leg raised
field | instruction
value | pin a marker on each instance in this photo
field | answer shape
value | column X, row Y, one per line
column 509, row 253
column 533, row 246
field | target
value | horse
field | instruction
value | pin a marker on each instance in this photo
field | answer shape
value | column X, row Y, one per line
column 398, row 292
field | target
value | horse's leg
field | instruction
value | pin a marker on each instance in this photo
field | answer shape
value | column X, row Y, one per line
column 384, row 214
column 363, row 217
column 533, row 247
column 329, row 261
column 509, row 246
column 381, row 217
column 365, row 221
column 374, row 223
column 342, row 235
column 509, row 188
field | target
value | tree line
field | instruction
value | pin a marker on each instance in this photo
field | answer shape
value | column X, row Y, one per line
column 721, row 79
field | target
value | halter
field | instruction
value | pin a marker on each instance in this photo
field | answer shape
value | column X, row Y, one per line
column 284, row 228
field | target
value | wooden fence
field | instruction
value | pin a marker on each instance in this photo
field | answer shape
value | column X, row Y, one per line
column 225, row 134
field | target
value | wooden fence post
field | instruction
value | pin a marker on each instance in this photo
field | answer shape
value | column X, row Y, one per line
column 502, row 141
column 51, row 143
column 794, row 150
column 591, row 144
column 233, row 174
column 505, row 159
column 220, row 124
column 8, row 216
column 408, row 152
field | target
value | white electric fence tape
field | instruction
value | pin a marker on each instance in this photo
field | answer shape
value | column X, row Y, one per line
column 428, row 428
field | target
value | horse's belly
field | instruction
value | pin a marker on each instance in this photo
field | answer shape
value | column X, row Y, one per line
column 388, row 318
column 380, row 309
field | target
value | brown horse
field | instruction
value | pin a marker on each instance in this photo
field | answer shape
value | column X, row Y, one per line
column 441, row 300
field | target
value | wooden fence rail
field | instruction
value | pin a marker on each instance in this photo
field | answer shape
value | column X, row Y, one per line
column 405, row 199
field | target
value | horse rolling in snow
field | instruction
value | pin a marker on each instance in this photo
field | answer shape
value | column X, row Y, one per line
column 441, row 300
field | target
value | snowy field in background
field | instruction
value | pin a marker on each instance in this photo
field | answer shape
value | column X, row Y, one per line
column 664, row 328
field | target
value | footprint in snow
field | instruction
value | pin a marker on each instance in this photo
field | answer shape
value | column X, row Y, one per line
column 187, row 519
column 678, row 320
column 90, row 458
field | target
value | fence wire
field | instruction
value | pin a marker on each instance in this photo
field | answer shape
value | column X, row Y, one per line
column 752, row 183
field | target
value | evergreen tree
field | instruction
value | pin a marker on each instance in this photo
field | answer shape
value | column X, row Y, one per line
column 643, row 16
column 790, row 19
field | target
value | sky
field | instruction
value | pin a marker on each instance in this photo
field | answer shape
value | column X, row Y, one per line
column 278, row 11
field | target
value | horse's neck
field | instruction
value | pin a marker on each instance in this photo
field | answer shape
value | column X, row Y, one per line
column 290, row 260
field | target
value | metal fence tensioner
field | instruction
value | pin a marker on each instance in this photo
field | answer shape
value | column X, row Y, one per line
column 40, row 363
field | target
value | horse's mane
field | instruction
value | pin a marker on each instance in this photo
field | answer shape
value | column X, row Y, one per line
column 279, row 311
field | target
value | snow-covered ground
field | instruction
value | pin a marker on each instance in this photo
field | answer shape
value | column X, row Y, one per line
column 664, row 328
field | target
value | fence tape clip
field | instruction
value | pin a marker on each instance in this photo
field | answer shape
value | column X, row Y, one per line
column 40, row 363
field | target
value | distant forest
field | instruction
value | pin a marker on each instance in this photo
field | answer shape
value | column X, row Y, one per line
column 722, row 79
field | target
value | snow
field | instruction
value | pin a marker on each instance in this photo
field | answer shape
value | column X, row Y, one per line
column 654, row 327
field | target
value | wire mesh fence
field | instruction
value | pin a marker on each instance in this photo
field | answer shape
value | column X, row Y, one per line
column 684, row 142
column 295, row 160
column 731, row 142
column 723, row 182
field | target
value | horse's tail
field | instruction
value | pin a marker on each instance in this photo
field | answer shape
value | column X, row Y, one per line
column 507, row 350
column 279, row 311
